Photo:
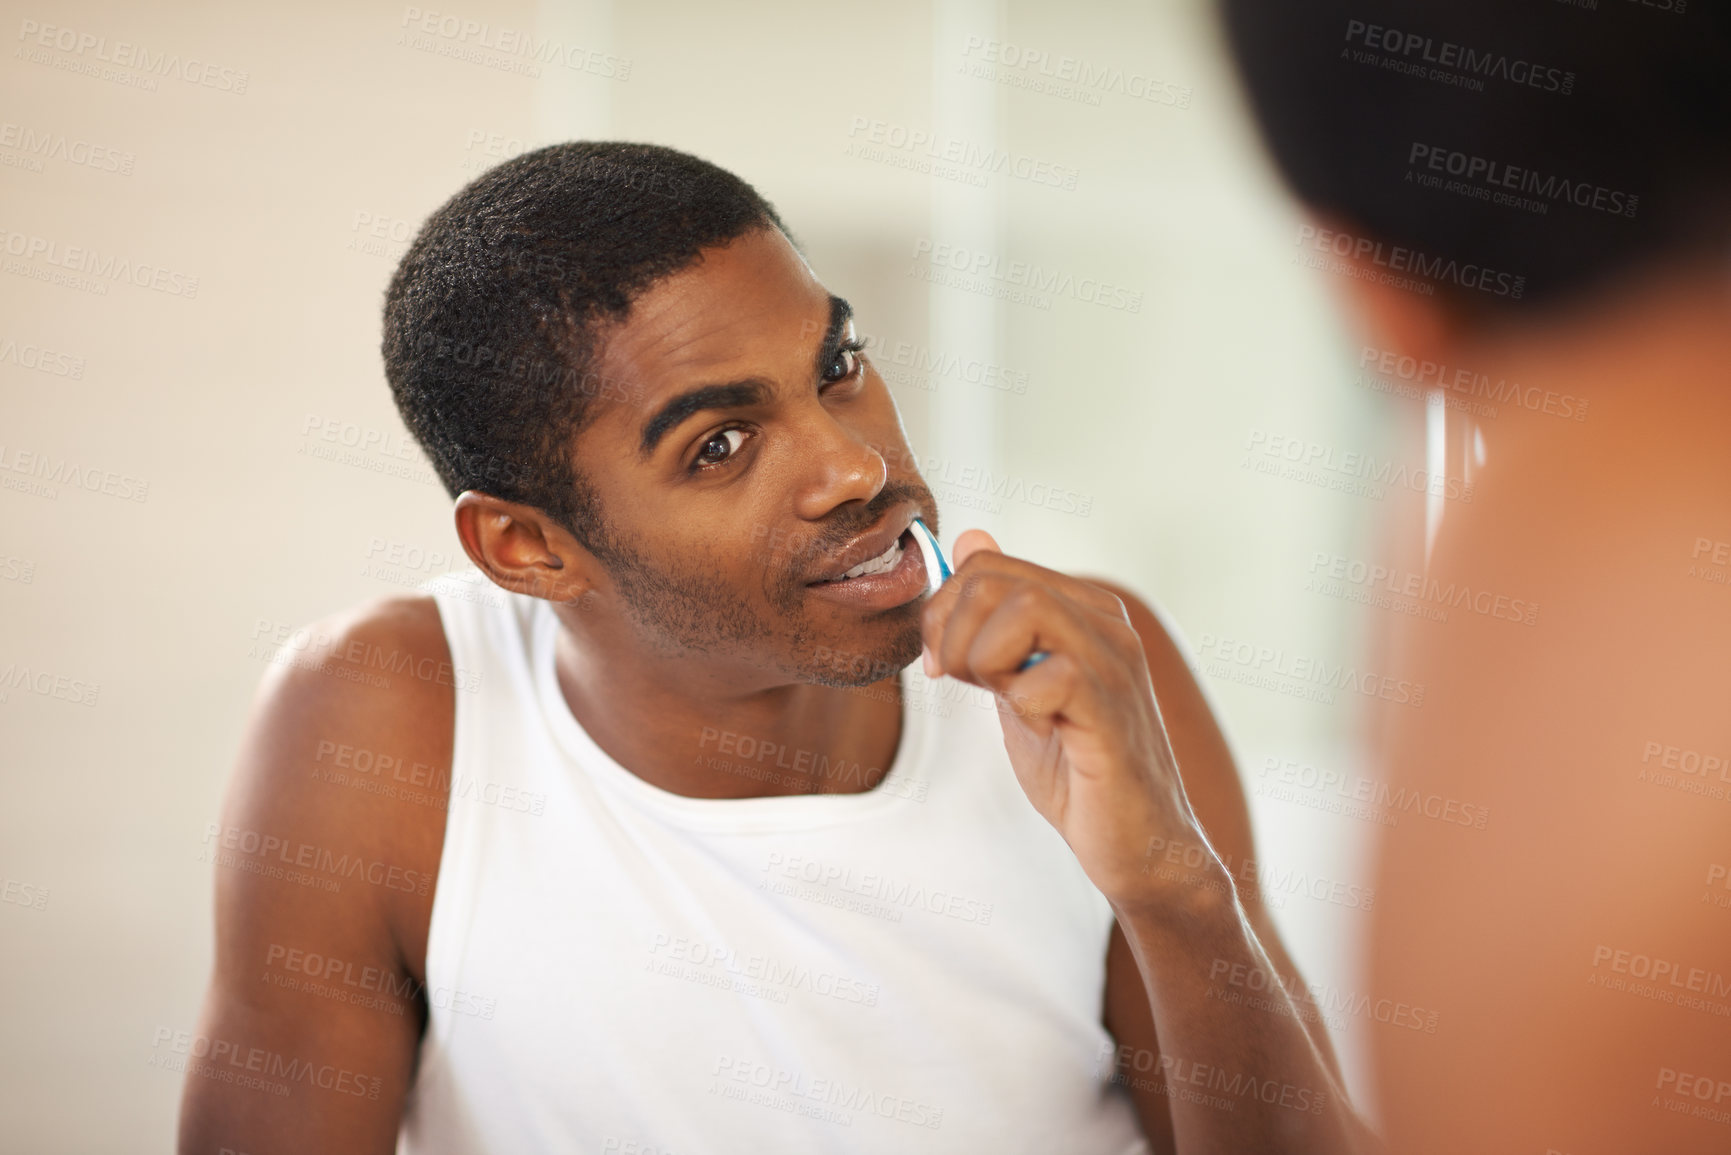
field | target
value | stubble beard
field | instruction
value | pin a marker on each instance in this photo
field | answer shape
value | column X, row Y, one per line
column 678, row 613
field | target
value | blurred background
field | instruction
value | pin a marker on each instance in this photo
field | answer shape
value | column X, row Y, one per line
column 1079, row 274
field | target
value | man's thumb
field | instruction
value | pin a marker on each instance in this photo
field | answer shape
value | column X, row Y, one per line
column 971, row 542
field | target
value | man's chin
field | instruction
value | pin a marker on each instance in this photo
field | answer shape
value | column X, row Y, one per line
column 849, row 665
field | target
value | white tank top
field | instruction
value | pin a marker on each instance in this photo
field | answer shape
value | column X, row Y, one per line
column 612, row 967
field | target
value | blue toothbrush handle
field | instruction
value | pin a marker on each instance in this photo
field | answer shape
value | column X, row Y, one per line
column 930, row 548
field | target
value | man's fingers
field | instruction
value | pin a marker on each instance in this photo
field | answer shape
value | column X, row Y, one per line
column 1025, row 619
column 978, row 541
column 1041, row 610
column 967, row 603
column 956, row 612
column 1031, row 735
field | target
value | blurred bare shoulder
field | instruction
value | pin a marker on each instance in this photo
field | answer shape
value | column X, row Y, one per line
column 1576, row 931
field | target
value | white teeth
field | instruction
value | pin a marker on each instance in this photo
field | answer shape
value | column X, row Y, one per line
column 884, row 561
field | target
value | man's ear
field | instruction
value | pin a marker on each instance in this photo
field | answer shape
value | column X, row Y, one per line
column 1399, row 320
column 522, row 549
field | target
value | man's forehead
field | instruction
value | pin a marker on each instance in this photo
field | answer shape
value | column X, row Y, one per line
column 751, row 288
column 742, row 311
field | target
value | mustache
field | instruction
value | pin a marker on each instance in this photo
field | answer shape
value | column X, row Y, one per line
column 847, row 527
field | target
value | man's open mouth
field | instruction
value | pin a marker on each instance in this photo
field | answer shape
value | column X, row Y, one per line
column 891, row 578
column 882, row 563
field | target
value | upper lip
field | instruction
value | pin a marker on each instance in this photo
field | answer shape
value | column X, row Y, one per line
column 867, row 545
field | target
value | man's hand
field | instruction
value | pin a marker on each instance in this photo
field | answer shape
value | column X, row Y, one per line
column 1088, row 745
column 1082, row 728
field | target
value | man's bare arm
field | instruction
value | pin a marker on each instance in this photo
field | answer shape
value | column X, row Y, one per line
column 311, row 1025
column 1088, row 745
column 1217, row 795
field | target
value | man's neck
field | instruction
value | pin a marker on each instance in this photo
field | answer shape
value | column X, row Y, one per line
column 702, row 739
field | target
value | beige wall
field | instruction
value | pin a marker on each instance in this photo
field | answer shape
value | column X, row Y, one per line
column 268, row 197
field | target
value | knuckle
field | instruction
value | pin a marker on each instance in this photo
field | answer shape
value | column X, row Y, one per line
column 1106, row 600
column 1123, row 637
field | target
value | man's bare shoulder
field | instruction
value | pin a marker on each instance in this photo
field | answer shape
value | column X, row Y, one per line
column 371, row 645
column 1211, row 776
column 378, row 673
column 327, row 849
column 347, row 757
column 1204, row 758
column 1157, row 641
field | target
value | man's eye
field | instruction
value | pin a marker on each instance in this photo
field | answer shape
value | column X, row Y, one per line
column 727, row 450
column 844, row 364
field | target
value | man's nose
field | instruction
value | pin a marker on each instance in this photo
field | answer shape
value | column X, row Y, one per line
column 844, row 467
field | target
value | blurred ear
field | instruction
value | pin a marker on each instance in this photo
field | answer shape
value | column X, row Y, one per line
column 1401, row 320
column 522, row 549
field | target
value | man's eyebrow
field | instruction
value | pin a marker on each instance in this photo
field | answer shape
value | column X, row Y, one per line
column 735, row 395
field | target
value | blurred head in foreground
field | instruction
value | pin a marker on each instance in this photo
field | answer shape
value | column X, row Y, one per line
column 1528, row 211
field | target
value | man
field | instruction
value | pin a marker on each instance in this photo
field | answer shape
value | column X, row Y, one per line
column 1554, row 181
column 709, row 880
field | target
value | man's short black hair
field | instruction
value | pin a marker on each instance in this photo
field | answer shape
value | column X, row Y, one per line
column 490, row 320
column 1582, row 137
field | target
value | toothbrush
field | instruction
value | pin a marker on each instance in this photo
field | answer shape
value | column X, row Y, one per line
column 938, row 572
